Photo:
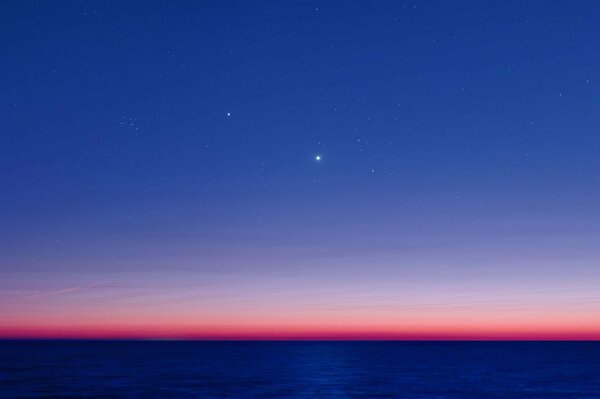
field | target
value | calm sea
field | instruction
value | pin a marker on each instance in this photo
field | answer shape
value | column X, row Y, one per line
column 171, row 369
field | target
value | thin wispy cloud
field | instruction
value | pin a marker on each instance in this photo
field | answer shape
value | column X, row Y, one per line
column 69, row 290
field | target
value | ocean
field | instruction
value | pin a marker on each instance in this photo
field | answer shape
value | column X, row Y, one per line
column 302, row 369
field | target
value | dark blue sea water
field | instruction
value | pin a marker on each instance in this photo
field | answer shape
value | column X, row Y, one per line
column 146, row 369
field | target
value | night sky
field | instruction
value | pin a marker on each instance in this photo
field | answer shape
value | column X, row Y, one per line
column 300, row 169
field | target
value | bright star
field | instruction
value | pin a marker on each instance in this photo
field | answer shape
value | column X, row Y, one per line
column 317, row 157
column 229, row 114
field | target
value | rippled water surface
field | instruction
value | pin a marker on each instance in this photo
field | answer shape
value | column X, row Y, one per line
column 147, row 369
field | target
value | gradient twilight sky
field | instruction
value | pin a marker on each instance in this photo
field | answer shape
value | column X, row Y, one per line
column 159, row 173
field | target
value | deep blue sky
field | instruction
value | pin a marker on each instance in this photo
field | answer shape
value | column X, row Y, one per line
column 174, row 142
